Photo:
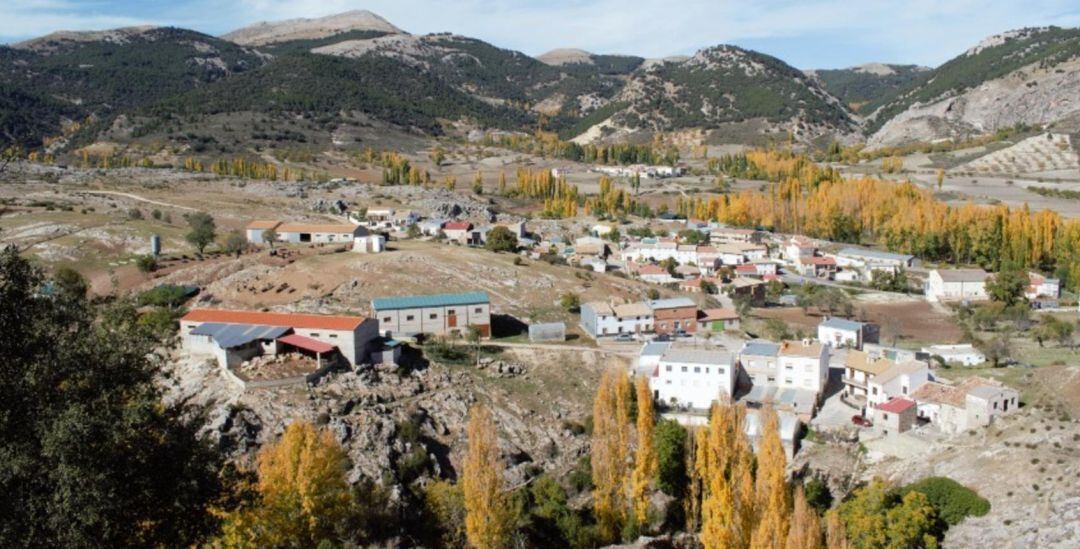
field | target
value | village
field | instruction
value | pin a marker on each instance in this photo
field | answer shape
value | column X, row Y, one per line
column 691, row 346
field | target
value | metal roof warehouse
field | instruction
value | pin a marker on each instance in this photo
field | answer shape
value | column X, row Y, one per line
column 426, row 301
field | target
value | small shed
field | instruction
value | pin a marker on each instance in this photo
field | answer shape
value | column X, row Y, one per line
column 550, row 331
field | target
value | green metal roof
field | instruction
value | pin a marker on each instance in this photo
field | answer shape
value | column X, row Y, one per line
column 421, row 301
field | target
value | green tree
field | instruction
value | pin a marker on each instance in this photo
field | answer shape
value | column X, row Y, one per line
column 146, row 263
column 875, row 516
column 773, row 290
column 91, row 454
column 203, row 230
column 670, row 443
column 1007, row 286
column 413, row 231
column 776, row 329
column 570, row 302
column 953, row 501
column 500, row 239
column 235, row 243
column 69, row 282
column 270, row 237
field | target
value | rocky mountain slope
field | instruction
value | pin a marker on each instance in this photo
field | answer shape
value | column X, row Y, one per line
column 263, row 33
column 1029, row 76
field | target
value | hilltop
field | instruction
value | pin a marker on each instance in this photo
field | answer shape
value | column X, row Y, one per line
column 263, row 33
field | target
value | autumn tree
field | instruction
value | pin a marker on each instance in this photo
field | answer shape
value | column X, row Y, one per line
column 770, row 488
column 610, row 453
column 303, row 496
column 486, row 505
column 835, row 533
column 804, row 530
column 645, row 465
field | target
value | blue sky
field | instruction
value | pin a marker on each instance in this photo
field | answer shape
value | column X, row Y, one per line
column 806, row 33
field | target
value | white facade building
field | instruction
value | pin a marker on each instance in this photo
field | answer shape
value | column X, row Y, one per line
column 956, row 285
column 694, row 378
column 803, row 365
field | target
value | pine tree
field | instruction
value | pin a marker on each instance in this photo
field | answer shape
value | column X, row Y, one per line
column 486, row 524
column 645, row 464
column 805, row 528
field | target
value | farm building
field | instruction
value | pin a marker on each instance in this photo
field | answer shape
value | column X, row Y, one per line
column 600, row 319
column 438, row 314
column 858, row 257
column 236, row 336
column 718, row 320
column 956, row 285
column 255, row 230
column 298, row 233
column 550, row 331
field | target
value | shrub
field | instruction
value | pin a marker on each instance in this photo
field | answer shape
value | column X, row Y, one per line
column 952, row 500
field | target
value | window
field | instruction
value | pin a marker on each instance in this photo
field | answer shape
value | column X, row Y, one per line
column 873, row 390
column 387, row 319
column 720, row 371
column 787, row 381
column 903, row 389
column 706, row 370
column 409, row 317
column 478, row 310
column 668, row 367
column 884, row 417
column 684, row 369
column 697, row 369
column 333, row 336
column 433, row 316
column 451, row 312
column 314, row 334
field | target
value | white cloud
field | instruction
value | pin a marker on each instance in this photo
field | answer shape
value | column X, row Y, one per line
column 808, row 33
column 30, row 18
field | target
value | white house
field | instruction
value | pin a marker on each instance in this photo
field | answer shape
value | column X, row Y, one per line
column 255, row 230
column 649, row 358
column 655, row 274
column 803, row 365
column 898, row 380
column 858, row 257
column 720, row 235
column 798, row 246
column 430, row 227
column 694, row 378
column 840, row 332
column 600, row 319
column 956, row 285
column 964, row 354
column 1040, row 286
column 325, row 233
column 369, row 244
column 974, row 402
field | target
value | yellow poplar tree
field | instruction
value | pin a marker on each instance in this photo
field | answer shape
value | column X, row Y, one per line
column 610, row 452
column 718, row 514
column 645, row 464
column 485, row 503
column 770, row 487
column 805, row 529
column 302, row 493
column 835, row 533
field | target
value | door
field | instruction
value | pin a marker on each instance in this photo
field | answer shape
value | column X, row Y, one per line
column 451, row 320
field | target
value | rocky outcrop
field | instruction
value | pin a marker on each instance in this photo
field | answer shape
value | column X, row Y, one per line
column 1032, row 95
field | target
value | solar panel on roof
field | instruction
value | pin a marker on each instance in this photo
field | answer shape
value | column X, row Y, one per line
column 234, row 335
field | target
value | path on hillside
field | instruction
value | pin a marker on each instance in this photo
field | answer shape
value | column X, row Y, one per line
column 557, row 347
column 140, row 199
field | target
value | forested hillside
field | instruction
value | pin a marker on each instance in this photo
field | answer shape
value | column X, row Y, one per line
column 863, row 89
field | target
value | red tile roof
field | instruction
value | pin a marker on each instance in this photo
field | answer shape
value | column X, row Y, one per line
column 745, row 268
column 304, row 342
column 651, row 270
column 457, row 226
column 896, row 405
column 294, row 320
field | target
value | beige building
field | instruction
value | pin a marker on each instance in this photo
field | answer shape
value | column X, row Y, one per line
column 439, row 314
